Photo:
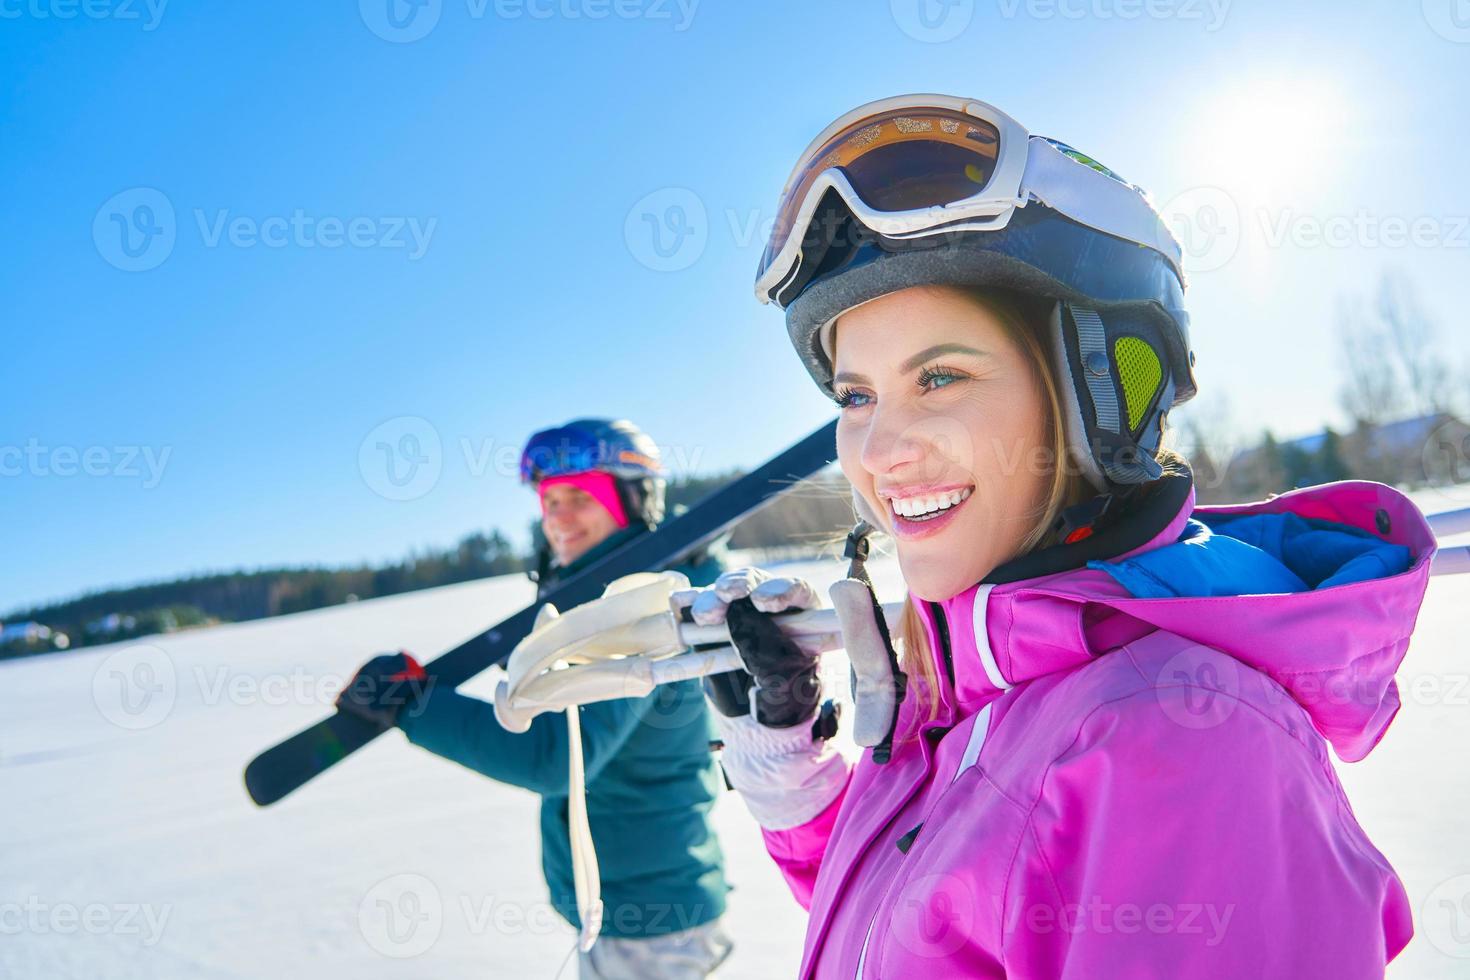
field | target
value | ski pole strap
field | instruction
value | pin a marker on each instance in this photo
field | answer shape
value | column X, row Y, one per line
column 856, row 551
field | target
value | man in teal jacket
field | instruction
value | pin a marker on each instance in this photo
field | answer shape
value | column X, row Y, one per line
column 650, row 776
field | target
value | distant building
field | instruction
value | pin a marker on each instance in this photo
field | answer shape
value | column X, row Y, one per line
column 1432, row 450
column 1429, row 450
column 24, row 634
column 111, row 625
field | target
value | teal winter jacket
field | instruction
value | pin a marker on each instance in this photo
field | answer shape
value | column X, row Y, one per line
column 651, row 780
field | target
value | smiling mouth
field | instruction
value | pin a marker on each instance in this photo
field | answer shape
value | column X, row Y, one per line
column 928, row 506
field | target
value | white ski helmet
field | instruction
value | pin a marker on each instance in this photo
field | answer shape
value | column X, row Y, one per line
column 938, row 190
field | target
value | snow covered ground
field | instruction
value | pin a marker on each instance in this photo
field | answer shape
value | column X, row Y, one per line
column 130, row 849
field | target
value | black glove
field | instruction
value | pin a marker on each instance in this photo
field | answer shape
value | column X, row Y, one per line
column 780, row 678
column 384, row 687
column 786, row 690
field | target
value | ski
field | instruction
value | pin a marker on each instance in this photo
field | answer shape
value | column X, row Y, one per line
column 292, row 763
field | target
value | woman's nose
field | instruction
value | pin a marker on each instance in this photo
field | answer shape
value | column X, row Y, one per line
column 891, row 441
column 925, row 445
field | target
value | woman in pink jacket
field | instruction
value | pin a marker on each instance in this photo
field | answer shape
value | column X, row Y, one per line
column 1109, row 756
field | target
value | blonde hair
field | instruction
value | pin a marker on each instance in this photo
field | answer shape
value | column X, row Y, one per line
column 1024, row 322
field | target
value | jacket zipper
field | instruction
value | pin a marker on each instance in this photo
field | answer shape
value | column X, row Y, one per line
column 941, row 633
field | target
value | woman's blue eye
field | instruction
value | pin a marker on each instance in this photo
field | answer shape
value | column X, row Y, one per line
column 938, row 377
column 847, row 398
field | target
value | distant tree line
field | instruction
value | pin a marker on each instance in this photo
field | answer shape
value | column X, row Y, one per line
column 161, row 607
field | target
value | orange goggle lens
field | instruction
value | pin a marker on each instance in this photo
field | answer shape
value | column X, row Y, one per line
column 901, row 160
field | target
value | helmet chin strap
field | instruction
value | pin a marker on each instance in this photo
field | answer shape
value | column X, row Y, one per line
column 878, row 684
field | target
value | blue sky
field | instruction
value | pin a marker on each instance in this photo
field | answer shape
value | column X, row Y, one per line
column 375, row 226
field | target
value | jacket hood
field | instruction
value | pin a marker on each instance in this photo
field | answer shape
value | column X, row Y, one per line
column 1317, row 589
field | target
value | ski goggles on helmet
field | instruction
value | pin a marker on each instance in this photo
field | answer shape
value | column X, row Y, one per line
column 586, row 445
column 915, row 166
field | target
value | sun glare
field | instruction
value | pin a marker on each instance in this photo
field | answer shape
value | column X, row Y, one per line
column 1273, row 137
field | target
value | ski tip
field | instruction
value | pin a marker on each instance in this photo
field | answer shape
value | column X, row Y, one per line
column 255, row 787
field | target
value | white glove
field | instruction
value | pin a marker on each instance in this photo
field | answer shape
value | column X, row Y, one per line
column 768, row 593
column 786, row 776
column 779, row 685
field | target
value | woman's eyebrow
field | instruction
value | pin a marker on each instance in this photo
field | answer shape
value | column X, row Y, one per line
column 849, row 378
column 929, row 353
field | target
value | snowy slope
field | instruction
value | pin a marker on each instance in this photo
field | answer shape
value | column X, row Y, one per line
column 130, row 849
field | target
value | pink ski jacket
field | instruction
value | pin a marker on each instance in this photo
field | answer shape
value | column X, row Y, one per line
column 1127, row 775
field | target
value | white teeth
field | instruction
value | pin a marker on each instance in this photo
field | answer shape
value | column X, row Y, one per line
column 925, row 506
